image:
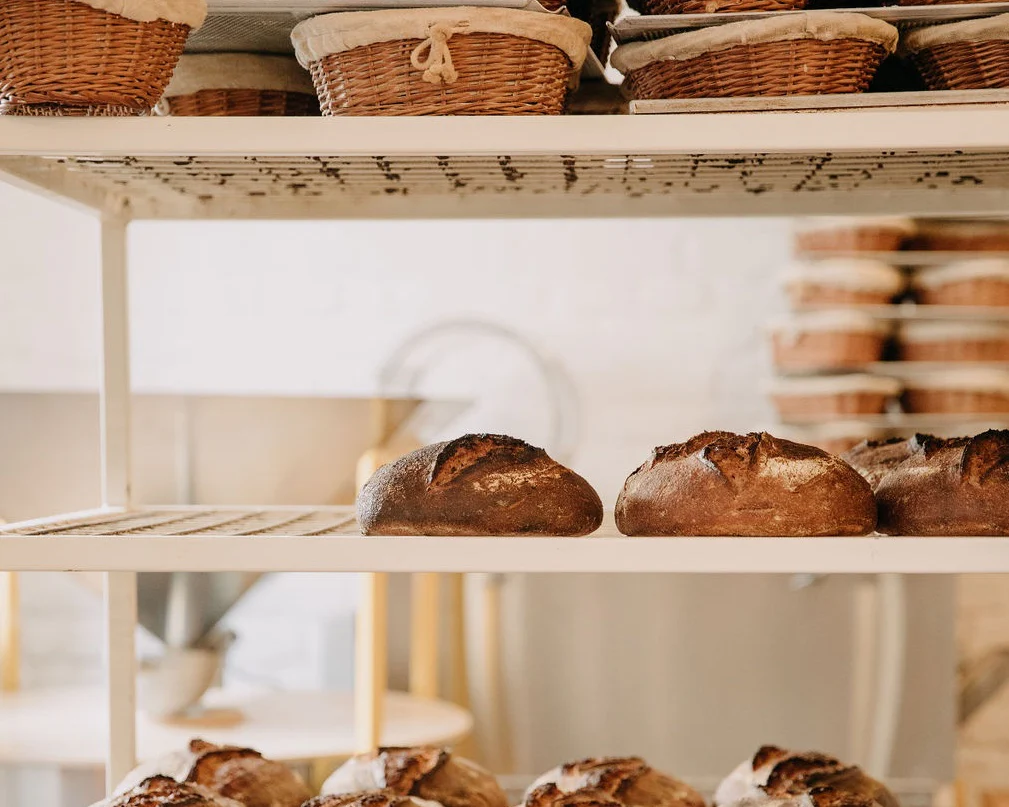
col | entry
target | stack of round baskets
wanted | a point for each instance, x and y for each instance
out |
(442, 61)
(968, 55)
(91, 57)
(239, 84)
(809, 53)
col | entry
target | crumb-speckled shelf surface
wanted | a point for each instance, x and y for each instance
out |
(326, 539)
(914, 160)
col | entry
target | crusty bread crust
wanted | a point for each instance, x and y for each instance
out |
(479, 484)
(719, 483)
(163, 791)
(956, 486)
(874, 459)
(629, 781)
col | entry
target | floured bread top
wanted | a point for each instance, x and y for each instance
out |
(874, 459)
(977, 269)
(181, 12)
(978, 379)
(163, 791)
(939, 331)
(835, 384)
(850, 274)
(840, 320)
(822, 25)
(629, 781)
(818, 224)
(966, 31)
(979, 462)
(550, 795)
(238, 71)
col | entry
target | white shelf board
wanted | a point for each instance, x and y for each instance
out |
(326, 539)
(66, 726)
(924, 161)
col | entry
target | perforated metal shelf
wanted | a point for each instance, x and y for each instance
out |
(852, 161)
(326, 539)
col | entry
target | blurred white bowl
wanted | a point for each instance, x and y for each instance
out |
(175, 682)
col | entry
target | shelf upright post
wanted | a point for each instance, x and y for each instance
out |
(120, 587)
(425, 593)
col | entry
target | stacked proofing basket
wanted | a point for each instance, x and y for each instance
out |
(969, 55)
(442, 61)
(90, 57)
(809, 53)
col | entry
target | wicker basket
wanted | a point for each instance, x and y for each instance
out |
(239, 84)
(812, 53)
(73, 53)
(969, 55)
(451, 61)
(712, 6)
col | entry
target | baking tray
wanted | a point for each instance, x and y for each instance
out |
(633, 28)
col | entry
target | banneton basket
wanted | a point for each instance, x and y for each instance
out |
(442, 61)
(713, 6)
(809, 53)
(90, 57)
(968, 55)
(239, 84)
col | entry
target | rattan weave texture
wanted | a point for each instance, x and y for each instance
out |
(965, 65)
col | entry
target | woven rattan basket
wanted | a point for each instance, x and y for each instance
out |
(969, 55)
(442, 61)
(712, 6)
(812, 53)
(239, 84)
(79, 55)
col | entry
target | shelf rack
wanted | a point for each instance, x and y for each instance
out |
(941, 160)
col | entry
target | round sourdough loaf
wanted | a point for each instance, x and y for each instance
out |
(368, 798)
(956, 486)
(240, 774)
(552, 796)
(429, 774)
(774, 773)
(874, 459)
(479, 484)
(163, 791)
(719, 483)
(629, 781)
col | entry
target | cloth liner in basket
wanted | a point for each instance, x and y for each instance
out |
(652, 7)
(968, 55)
(442, 61)
(91, 56)
(217, 84)
(809, 53)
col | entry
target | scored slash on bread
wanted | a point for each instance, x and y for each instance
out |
(479, 484)
(628, 781)
(163, 791)
(775, 775)
(370, 798)
(423, 773)
(720, 483)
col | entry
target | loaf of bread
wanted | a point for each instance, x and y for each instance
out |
(550, 795)
(719, 483)
(956, 486)
(480, 484)
(874, 459)
(367, 798)
(630, 781)
(432, 774)
(240, 774)
(163, 791)
(778, 774)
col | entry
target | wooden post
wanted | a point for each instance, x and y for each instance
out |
(371, 660)
(120, 667)
(424, 648)
(10, 636)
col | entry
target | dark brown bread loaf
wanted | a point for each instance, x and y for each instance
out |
(778, 774)
(958, 486)
(434, 774)
(719, 483)
(874, 459)
(550, 795)
(163, 791)
(368, 798)
(627, 780)
(240, 774)
(480, 484)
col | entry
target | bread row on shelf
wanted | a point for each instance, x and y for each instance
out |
(206, 775)
(893, 234)
(716, 483)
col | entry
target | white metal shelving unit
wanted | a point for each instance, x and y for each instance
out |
(942, 160)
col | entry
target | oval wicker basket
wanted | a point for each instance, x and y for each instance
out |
(239, 85)
(969, 55)
(442, 61)
(814, 53)
(654, 7)
(70, 53)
